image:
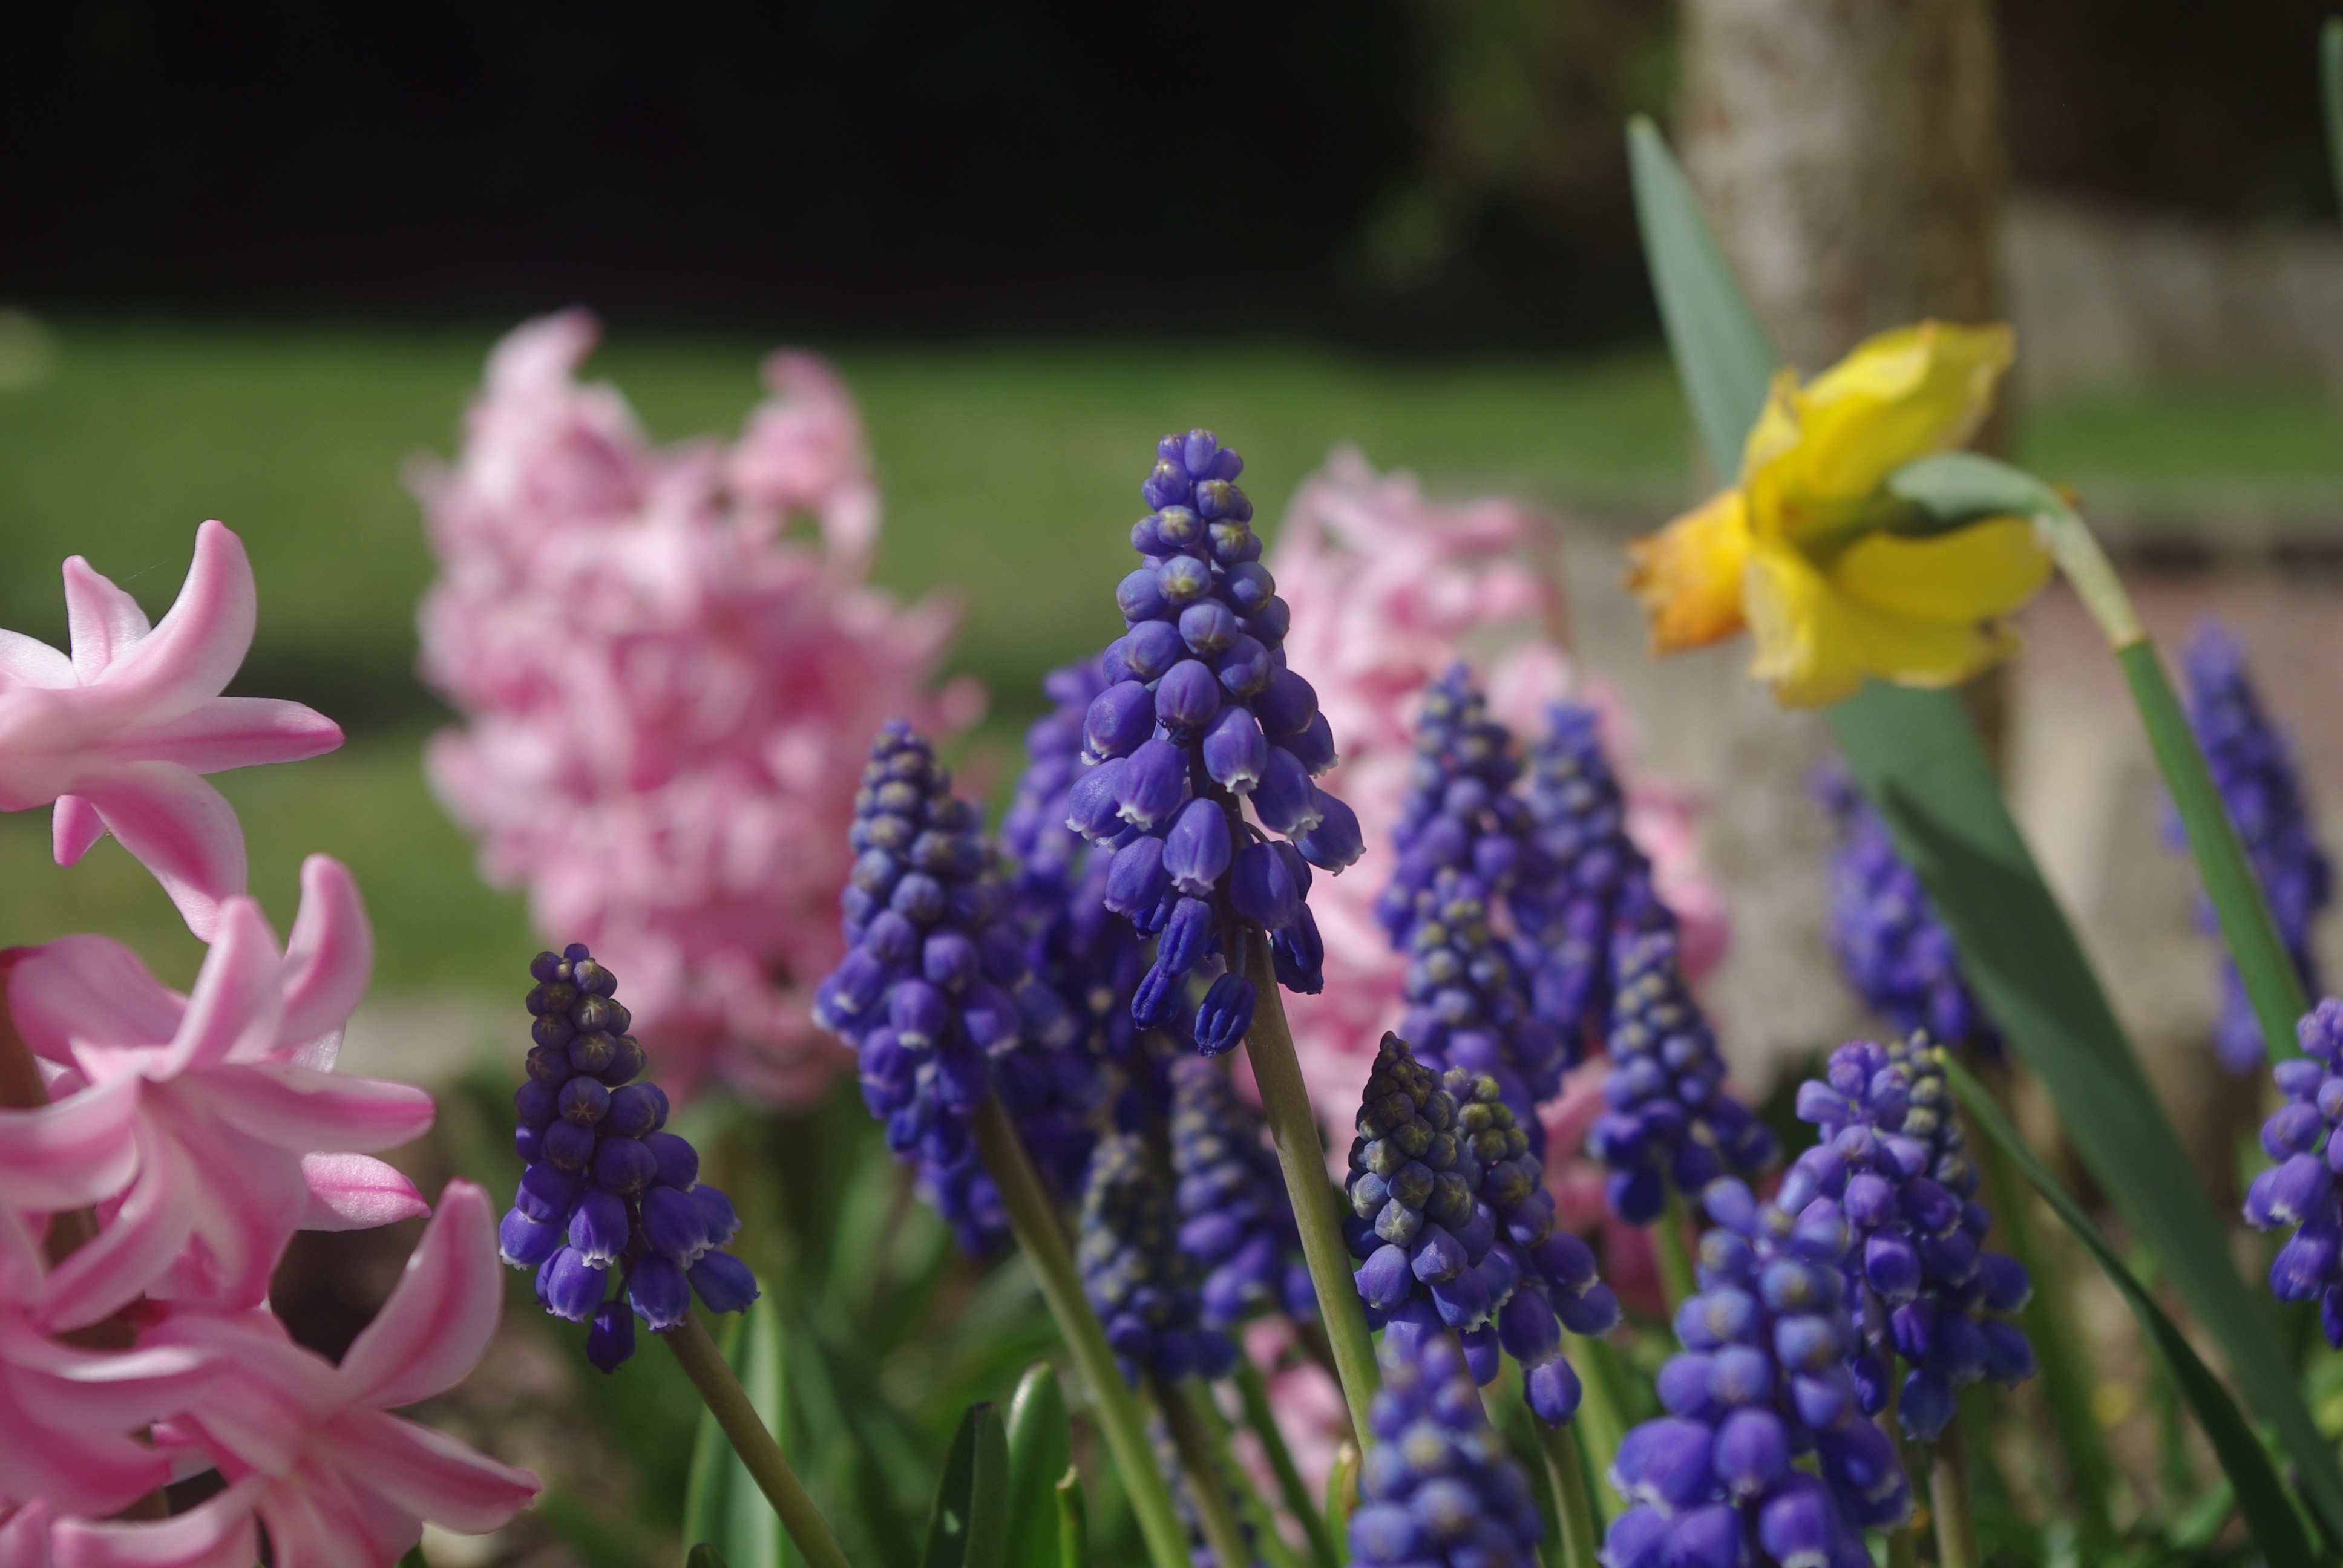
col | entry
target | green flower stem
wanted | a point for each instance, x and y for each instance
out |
(1208, 1481)
(1948, 1500)
(1035, 1224)
(1598, 1423)
(1565, 1472)
(1293, 1127)
(704, 1364)
(1672, 1253)
(2263, 965)
(1254, 1389)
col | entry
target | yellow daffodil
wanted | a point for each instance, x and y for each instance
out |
(1795, 552)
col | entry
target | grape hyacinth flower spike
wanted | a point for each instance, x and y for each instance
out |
(2300, 1189)
(1893, 951)
(1454, 1229)
(1234, 1218)
(1466, 1005)
(1764, 1377)
(2254, 768)
(1203, 721)
(1141, 1285)
(607, 1189)
(1670, 1123)
(1437, 1486)
(1461, 811)
(1893, 1157)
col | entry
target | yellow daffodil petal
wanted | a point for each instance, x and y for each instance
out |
(1898, 395)
(1980, 573)
(1815, 645)
(1688, 575)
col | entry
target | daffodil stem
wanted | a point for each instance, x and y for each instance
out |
(1672, 1254)
(1035, 1224)
(1573, 1508)
(1254, 1389)
(1293, 1128)
(1948, 1500)
(2264, 967)
(705, 1365)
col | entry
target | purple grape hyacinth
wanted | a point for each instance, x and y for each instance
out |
(935, 994)
(1235, 1219)
(1466, 1005)
(1460, 812)
(2254, 768)
(1764, 1377)
(2300, 1189)
(607, 1189)
(1203, 721)
(1454, 1229)
(1669, 1121)
(1140, 1282)
(1892, 1156)
(1436, 1486)
(1893, 951)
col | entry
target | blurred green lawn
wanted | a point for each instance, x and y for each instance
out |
(1010, 473)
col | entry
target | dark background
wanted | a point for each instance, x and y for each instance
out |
(1393, 171)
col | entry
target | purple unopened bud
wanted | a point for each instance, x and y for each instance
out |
(1285, 800)
(655, 1290)
(598, 1227)
(1187, 934)
(610, 1336)
(1337, 840)
(1235, 750)
(2003, 1284)
(1273, 620)
(1152, 786)
(949, 960)
(1182, 580)
(1385, 1279)
(1140, 595)
(1751, 1452)
(675, 1162)
(1157, 997)
(717, 1213)
(2008, 1357)
(1314, 746)
(1225, 1016)
(1196, 852)
(1244, 667)
(1798, 1523)
(723, 1283)
(673, 1224)
(1207, 628)
(1120, 718)
(1179, 527)
(1187, 697)
(546, 1193)
(535, 1105)
(1136, 879)
(919, 1013)
(2304, 1186)
(1552, 1390)
(1249, 588)
(524, 1243)
(570, 1286)
(988, 1016)
(624, 1165)
(1638, 1539)
(1664, 1462)
(1591, 1313)
(1151, 647)
(1286, 705)
(1261, 888)
(1091, 804)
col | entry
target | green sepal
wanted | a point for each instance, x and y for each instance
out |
(2262, 1497)
(1040, 1451)
(968, 1524)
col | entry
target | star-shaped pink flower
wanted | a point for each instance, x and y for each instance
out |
(118, 734)
(307, 1447)
(222, 1101)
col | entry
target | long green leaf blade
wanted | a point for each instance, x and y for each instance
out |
(704, 1487)
(721, 1503)
(967, 1527)
(2261, 1495)
(1041, 1448)
(1722, 351)
(704, 1556)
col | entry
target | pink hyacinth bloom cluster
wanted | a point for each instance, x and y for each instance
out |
(1390, 588)
(159, 1150)
(667, 687)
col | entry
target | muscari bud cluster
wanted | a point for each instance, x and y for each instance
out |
(1453, 1228)
(1893, 951)
(2300, 1189)
(1437, 1486)
(1140, 1282)
(934, 993)
(1460, 812)
(606, 1187)
(1890, 1154)
(1204, 719)
(1465, 1006)
(1235, 1219)
(1669, 1121)
(2254, 768)
(1570, 920)
(1764, 1377)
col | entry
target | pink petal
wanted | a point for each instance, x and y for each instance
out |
(134, 1249)
(216, 1533)
(265, 1414)
(196, 648)
(307, 1112)
(329, 956)
(238, 1000)
(71, 1153)
(252, 1202)
(427, 1474)
(24, 1536)
(437, 1322)
(179, 828)
(87, 991)
(103, 620)
(356, 1192)
(27, 661)
(223, 732)
(65, 1417)
(73, 826)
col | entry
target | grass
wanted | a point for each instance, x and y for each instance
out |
(1009, 472)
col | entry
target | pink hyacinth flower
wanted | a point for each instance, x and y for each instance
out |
(66, 1416)
(118, 734)
(215, 1098)
(307, 1448)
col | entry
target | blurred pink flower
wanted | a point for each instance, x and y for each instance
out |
(668, 694)
(1388, 588)
(118, 734)
(306, 1446)
(209, 1102)
(67, 1416)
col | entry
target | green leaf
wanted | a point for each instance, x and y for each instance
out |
(1722, 354)
(721, 1503)
(1949, 490)
(1040, 1450)
(2261, 1495)
(2330, 94)
(704, 1555)
(1073, 1522)
(968, 1526)
(1917, 757)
